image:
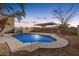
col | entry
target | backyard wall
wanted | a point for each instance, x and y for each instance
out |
(78, 31)
(9, 27)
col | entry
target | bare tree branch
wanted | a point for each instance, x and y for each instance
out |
(64, 15)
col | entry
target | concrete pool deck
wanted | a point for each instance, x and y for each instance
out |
(16, 45)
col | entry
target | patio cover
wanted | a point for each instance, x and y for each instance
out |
(46, 24)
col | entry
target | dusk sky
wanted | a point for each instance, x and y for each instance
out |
(42, 12)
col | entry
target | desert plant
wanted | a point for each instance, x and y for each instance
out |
(64, 16)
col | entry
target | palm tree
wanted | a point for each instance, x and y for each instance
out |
(11, 12)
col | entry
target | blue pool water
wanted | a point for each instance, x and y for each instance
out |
(29, 38)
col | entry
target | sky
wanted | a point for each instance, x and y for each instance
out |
(42, 12)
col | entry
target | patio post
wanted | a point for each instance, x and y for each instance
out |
(34, 25)
(78, 31)
(51, 29)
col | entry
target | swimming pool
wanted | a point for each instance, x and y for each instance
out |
(29, 38)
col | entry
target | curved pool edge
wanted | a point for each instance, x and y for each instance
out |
(16, 45)
(59, 43)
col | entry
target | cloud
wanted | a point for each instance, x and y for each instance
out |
(45, 17)
(24, 22)
(42, 18)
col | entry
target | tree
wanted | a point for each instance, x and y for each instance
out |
(64, 16)
(11, 13)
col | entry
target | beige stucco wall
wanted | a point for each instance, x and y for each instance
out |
(9, 27)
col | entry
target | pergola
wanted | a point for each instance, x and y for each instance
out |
(46, 24)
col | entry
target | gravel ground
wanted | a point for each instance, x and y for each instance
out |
(4, 50)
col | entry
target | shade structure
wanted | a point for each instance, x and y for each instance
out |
(46, 24)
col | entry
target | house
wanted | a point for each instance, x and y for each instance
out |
(10, 20)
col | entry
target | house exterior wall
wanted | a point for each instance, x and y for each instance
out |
(9, 27)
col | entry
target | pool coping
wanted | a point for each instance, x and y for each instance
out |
(16, 45)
